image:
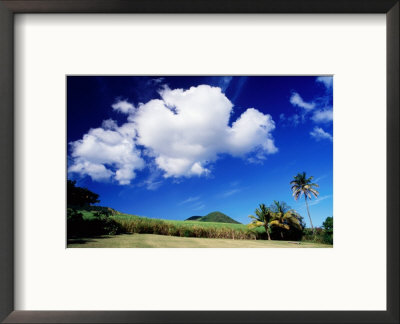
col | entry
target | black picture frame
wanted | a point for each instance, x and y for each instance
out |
(8, 8)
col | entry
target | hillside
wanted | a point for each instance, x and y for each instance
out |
(194, 218)
(216, 217)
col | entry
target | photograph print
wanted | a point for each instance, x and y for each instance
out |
(199, 161)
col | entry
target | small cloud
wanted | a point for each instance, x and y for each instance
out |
(326, 80)
(154, 179)
(157, 80)
(239, 86)
(190, 199)
(294, 120)
(320, 178)
(314, 202)
(123, 106)
(152, 185)
(322, 116)
(198, 206)
(297, 100)
(318, 200)
(256, 159)
(319, 134)
(291, 121)
(229, 193)
(225, 82)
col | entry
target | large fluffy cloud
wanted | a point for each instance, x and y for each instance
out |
(182, 133)
(185, 130)
(107, 152)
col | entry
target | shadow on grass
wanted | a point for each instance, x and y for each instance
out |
(84, 240)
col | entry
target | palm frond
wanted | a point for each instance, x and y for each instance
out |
(314, 192)
(255, 224)
(253, 217)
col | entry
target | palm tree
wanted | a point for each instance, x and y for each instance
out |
(301, 185)
(263, 218)
(284, 217)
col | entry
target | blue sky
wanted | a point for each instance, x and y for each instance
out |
(174, 147)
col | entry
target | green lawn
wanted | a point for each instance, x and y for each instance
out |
(163, 241)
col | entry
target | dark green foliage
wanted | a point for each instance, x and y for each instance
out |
(77, 196)
(286, 223)
(77, 225)
(217, 217)
(322, 235)
(104, 210)
(292, 234)
(101, 224)
(73, 215)
(328, 230)
(193, 218)
(328, 225)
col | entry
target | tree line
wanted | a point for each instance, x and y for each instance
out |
(282, 219)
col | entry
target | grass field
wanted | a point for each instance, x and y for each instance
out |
(143, 225)
(128, 217)
(138, 231)
(163, 241)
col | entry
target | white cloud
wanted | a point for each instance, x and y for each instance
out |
(294, 119)
(123, 106)
(229, 193)
(188, 129)
(225, 82)
(297, 100)
(107, 153)
(318, 133)
(156, 80)
(326, 80)
(188, 200)
(96, 171)
(182, 134)
(322, 116)
(251, 129)
(314, 201)
(318, 200)
(198, 206)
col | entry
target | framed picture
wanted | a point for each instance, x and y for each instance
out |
(204, 144)
(136, 134)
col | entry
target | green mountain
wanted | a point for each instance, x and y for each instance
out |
(216, 217)
(194, 218)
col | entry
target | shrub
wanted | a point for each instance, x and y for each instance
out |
(328, 230)
(101, 224)
(78, 196)
(321, 236)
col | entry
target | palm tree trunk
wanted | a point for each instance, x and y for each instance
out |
(269, 236)
(308, 212)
